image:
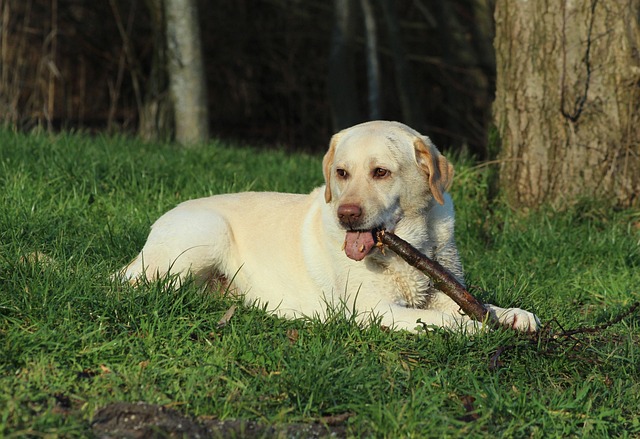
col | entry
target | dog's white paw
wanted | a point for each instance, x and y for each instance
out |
(516, 318)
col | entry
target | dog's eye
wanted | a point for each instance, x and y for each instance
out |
(342, 173)
(381, 173)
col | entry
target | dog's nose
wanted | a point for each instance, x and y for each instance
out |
(349, 214)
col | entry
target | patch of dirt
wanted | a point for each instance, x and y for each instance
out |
(141, 420)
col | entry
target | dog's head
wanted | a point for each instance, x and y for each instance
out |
(378, 172)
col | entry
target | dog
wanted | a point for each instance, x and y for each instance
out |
(300, 255)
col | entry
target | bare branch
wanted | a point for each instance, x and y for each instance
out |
(442, 279)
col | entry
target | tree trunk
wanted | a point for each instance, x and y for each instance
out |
(342, 86)
(156, 114)
(567, 102)
(373, 65)
(186, 71)
(412, 113)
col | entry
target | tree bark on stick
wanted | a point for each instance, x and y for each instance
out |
(442, 280)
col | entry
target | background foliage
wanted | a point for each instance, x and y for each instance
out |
(96, 65)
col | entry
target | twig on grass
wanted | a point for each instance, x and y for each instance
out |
(599, 328)
(551, 340)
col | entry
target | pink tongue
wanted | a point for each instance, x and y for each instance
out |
(358, 244)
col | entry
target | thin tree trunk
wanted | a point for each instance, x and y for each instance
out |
(155, 114)
(342, 86)
(457, 54)
(373, 65)
(567, 102)
(405, 84)
(186, 71)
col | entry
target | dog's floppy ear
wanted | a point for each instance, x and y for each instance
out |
(327, 163)
(437, 168)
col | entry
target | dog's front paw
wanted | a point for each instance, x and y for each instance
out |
(516, 318)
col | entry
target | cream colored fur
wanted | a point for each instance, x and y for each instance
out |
(286, 250)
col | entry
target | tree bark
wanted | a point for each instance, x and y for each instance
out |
(186, 72)
(156, 115)
(412, 113)
(342, 85)
(567, 104)
(373, 64)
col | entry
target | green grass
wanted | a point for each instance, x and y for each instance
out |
(71, 341)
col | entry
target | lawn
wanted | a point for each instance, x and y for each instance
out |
(75, 208)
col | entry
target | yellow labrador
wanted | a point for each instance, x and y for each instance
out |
(298, 253)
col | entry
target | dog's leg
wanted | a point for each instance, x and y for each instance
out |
(183, 242)
(407, 318)
(399, 317)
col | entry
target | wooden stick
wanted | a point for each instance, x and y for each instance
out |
(441, 278)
